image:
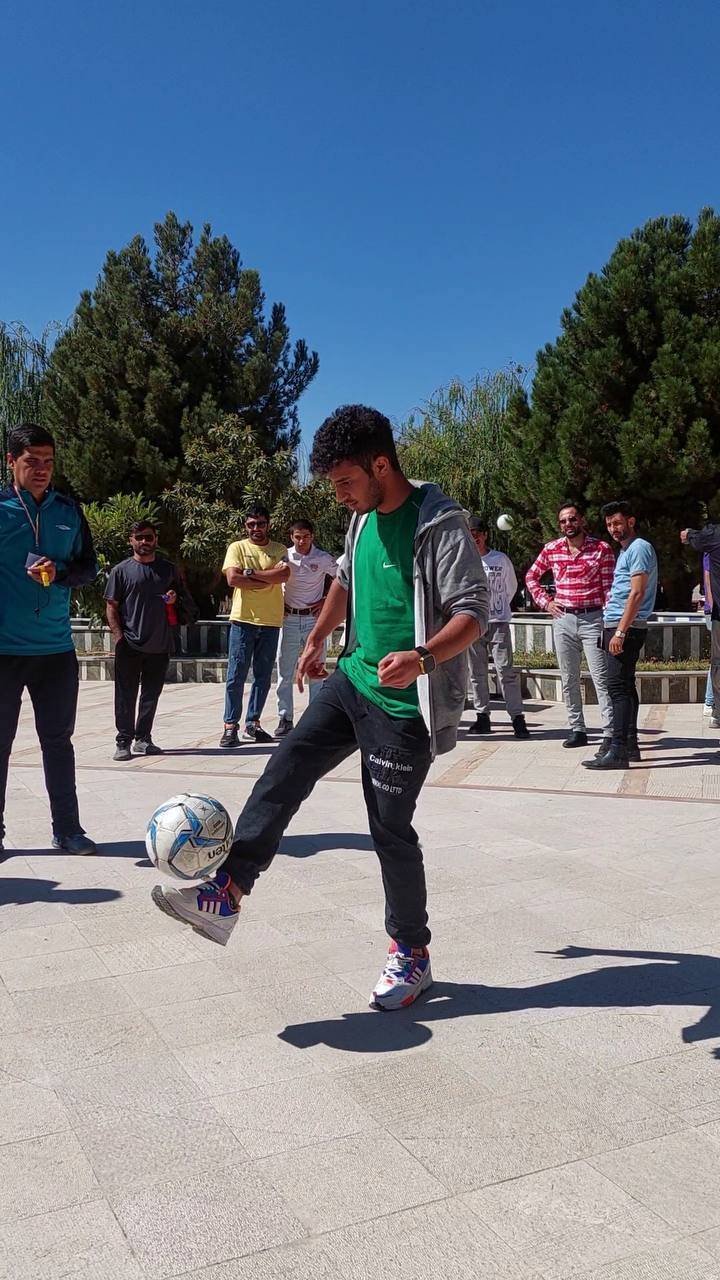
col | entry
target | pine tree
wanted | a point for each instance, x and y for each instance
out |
(161, 350)
(626, 402)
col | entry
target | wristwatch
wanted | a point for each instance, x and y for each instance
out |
(248, 573)
(620, 634)
(427, 662)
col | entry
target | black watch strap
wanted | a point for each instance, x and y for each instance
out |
(427, 662)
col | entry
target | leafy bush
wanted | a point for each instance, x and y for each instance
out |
(535, 661)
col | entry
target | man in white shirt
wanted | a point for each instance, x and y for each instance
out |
(304, 596)
(496, 641)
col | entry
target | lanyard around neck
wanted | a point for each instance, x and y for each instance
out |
(34, 524)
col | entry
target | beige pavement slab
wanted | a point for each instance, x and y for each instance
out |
(551, 1109)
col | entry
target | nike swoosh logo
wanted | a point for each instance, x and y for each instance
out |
(389, 566)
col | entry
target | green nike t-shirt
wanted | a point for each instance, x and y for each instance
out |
(383, 603)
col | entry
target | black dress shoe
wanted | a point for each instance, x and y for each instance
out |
(520, 728)
(633, 750)
(613, 759)
(577, 738)
(603, 749)
(482, 723)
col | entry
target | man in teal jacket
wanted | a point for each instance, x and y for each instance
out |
(45, 550)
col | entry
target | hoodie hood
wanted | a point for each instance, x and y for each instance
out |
(435, 506)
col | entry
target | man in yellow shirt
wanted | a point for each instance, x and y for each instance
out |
(255, 568)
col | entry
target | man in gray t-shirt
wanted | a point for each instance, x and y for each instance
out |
(141, 595)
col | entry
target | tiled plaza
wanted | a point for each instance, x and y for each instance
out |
(551, 1109)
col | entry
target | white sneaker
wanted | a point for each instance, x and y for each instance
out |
(406, 975)
(209, 908)
(714, 722)
(707, 711)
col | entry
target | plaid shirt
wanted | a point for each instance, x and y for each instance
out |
(582, 580)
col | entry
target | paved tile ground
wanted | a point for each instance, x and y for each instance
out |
(552, 1110)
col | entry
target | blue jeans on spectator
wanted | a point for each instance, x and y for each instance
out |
(249, 644)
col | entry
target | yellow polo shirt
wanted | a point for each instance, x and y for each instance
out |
(264, 607)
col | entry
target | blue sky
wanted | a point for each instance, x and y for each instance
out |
(425, 185)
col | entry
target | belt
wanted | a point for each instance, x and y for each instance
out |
(591, 608)
(303, 613)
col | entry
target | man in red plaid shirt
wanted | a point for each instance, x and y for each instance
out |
(582, 568)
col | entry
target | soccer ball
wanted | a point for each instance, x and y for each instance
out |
(504, 523)
(189, 837)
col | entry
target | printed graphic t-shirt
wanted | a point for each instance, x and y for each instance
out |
(264, 607)
(383, 603)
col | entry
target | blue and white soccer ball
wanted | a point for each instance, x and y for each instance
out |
(189, 837)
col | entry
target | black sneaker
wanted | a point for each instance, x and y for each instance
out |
(256, 733)
(577, 738)
(520, 728)
(122, 751)
(79, 844)
(146, 747)
(230, 737)
(284, 727)
(482, 724)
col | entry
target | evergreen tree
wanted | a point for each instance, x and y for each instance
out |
(23, 360)
(230, 470)
(162, 349)
(626, 402)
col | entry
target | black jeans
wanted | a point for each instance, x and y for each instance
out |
(137, 671)
(621, 683)
(52, 682)
(395, 760)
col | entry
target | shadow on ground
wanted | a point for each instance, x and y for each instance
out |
(306, 846)
(106, 849)
(669, 978)
(19, 891)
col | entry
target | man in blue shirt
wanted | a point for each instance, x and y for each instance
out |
(45, 550)
(629, 605)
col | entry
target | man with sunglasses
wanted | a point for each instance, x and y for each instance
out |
(45, 550)
(255, 568)
(140, 595)
(582, 568)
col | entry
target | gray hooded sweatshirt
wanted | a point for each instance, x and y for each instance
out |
(449, 578)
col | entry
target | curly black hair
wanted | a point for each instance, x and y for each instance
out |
(353, 433)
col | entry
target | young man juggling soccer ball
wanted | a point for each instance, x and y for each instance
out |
(412, 591)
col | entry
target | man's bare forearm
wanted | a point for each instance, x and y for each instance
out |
(458, 634)
(112, 613)
(278, 573)
(332, 614)
(632, 608)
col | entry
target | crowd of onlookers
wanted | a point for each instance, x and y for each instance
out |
(599, 604)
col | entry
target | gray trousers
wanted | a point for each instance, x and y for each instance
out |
(573, 633)
(495, 644)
